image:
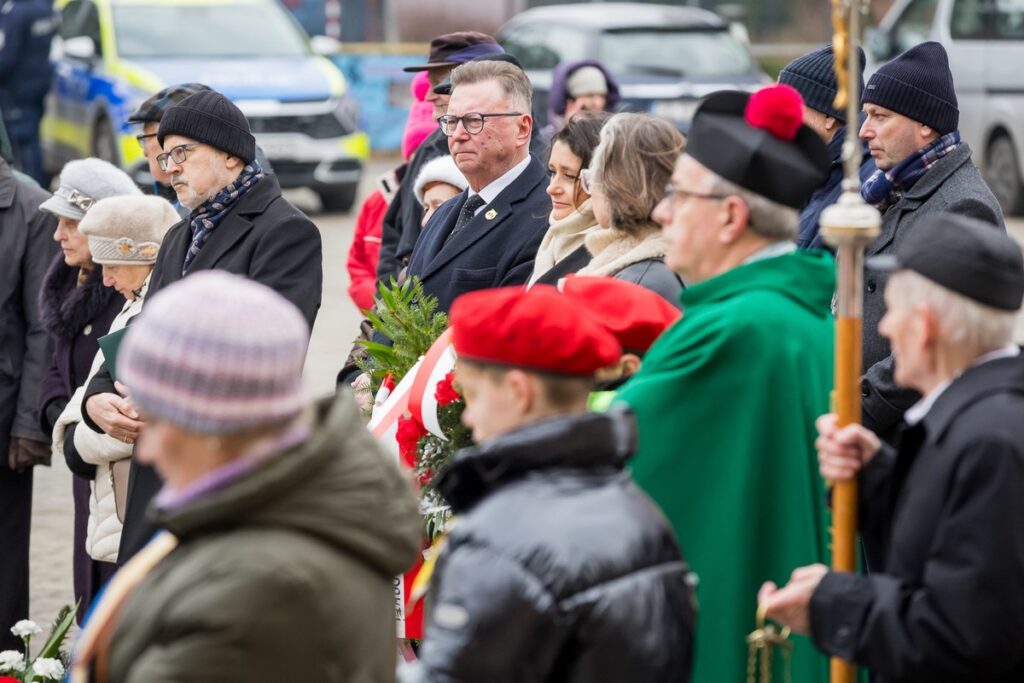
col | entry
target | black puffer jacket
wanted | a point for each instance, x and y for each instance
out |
(559, 568)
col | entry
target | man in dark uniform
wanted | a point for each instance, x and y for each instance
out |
(940, 517)
(26, 29)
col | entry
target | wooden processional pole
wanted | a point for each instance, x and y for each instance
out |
(848, 226)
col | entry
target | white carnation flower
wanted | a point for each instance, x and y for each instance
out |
(50, 669)
(26, 629)
(11, 660)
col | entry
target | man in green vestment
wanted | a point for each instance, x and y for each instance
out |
(727, 397)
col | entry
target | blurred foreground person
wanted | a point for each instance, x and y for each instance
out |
(558, 568)
(944, 600)
(285, 522)
(727, 397)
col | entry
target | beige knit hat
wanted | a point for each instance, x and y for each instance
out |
(127, 231)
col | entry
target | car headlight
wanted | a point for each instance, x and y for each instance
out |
(675, 110)
(347, 112)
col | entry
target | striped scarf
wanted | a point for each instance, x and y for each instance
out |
(883, 189)
(206, 217)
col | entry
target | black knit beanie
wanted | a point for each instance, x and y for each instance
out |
(213, 119)
(919, 85)
(814, 77)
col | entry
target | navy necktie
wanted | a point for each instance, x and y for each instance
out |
(466, 215)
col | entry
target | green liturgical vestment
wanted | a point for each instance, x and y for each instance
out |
(726, 402)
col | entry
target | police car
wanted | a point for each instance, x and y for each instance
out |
(113, 54)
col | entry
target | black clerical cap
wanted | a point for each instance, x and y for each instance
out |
(965, 255)
(760, 143)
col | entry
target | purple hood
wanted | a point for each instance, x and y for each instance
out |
(557, 95)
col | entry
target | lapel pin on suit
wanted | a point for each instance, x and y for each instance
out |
(490, 215)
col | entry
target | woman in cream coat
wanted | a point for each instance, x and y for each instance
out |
(124, 237)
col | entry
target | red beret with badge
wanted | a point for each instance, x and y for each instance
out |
(533, 329)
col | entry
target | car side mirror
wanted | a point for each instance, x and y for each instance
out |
(325, 46)
(80, 47)
(879, 44)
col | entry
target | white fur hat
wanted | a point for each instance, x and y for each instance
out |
(127, 230)
(83, 182)
(439, 170)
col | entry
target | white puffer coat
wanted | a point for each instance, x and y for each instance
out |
(104, 531)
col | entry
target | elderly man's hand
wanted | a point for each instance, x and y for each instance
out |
(115, 415)
(791, 604)
(842, 452)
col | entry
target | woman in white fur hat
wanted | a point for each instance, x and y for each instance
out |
(124, 236)
(438, 181)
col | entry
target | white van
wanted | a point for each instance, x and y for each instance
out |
(985, 42)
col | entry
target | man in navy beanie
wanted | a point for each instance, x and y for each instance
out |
(239, 223)
(924, 168)
(813, 76)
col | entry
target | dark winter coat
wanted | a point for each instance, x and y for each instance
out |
(76, 317)
(487, 252)
(558, 95)
(26, 250)
(953, 184)
(403, 221)
(808, 236)
(28, 28)
(264, 238)
(945, 597)
(284, 574)
(558, 567)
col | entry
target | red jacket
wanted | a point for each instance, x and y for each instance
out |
(365, 250)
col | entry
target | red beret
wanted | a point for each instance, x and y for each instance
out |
(536, 328)
(635, 315)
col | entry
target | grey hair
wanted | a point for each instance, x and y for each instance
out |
(963, 323)
(512, 79)
(768, 219)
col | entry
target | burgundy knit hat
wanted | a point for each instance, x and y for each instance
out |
(216, 353)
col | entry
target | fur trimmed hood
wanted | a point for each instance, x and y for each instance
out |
(64, 307)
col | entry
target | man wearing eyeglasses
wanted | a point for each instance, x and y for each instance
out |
(148, 115)
(488, 235)
(727, 397)
(239, 223)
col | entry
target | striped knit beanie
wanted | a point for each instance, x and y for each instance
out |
(216, 353)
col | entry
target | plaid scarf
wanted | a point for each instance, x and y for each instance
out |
(206, 217)
(883, 189)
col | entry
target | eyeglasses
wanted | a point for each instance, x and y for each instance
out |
(75, 198)
(177, 154)
(587, 180)
(473, 122)
(671, 193)
(142, 137)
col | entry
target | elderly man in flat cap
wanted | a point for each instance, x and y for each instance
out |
(944, 600)
(726, 398)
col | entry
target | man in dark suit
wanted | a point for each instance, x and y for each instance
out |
(944, 600)
(487, 236)
(239, 223)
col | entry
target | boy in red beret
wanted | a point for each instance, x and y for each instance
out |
(558, 567)
(635, 315)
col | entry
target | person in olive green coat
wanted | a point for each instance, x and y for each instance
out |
(284, 524)
(727, 397)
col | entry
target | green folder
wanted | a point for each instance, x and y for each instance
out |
(109, 345)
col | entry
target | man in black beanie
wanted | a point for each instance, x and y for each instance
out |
(239, 223)
(813, 76)
(923, 168)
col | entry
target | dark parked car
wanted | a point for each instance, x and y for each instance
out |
(665, 58)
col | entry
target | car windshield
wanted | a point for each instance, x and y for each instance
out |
(673, 53)
(194, 30)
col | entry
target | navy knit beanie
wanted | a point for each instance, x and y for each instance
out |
(210, 118)
(919, 85)
(814, 77)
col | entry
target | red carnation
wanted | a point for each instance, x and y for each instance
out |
(445, 392)
(408, 435)
(9, 679)
(778, 109)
